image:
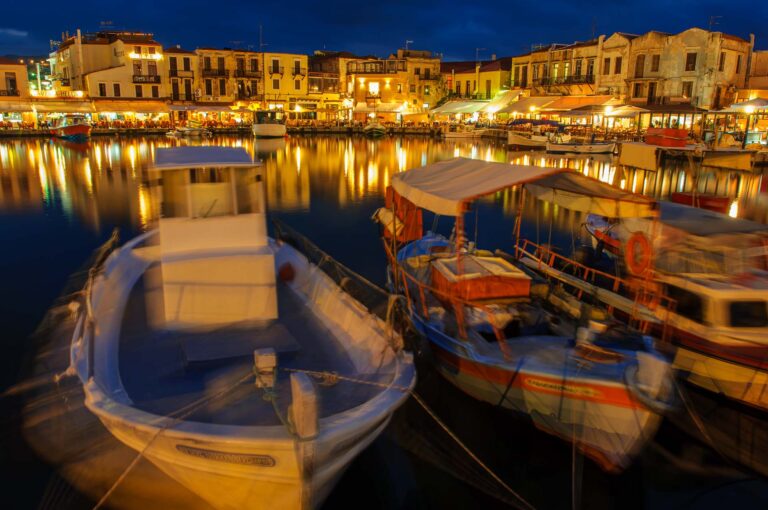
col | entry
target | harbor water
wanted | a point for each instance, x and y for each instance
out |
(59, 201)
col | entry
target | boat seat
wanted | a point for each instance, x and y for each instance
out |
(223, 344)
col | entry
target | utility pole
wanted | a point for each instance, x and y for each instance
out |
(407, 42)
(477, 71)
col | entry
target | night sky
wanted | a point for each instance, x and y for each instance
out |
(453, 28)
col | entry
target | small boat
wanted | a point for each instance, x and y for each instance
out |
(534, 139)
(268, 124)
(188, 132)
(72, 127)
(527, 140)
(226, 358)
(581, 148)
(489, 331)
(461, 131)
(374, 129)
(716, 203)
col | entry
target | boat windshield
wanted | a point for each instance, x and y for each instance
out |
(269, 117)
(748, 314)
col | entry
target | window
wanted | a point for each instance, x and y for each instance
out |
(655, 59)
(297, 84)
(155, 91)
(208, 87)
(721, 64)
(637, 90)
(639, 66)
(426, 73)
(535, 72)
(555, 69)
(690, 62)
(400, 87)
(591, 67)
(222, 87)
(577, 68)
(253, 88)
(417, 71)
(738, 64)
(220, 63)
(102, 89)
(116, 89)
(467, 90)
(187, 65)
(172, 63)
(606, 65)
(687, 88)
(617, 67)
(137, 67)
(373, 88)
(275, 65)
(137, 49)
(254, 64)
(240, 63)
(413, 89)
(152, 68)
(206, 62)
(689, 304)
(297, 67)
(748, 314)
(566, 69)
(151, 50)
(139, 92)
(276, 83)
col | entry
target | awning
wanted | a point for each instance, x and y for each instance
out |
(701, 222)
(751, 106)
(214, 108)
(587, 104)
(12, 106)
(444, 186)
(63, 107)
(453, 107)
(524, 105)
(131, 106)
(625, 111)
(501, 100)
(363, 107)
(578, 192)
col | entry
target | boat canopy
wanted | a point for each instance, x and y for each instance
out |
(445, 186)
(578, 192)
(701, 222)
(201, 157)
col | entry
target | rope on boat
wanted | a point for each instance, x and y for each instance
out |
(171, 419)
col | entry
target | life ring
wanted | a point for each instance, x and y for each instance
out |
(637, 254)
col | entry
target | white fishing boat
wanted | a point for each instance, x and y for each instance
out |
(374, 129)
(560, 147)
(527, 140)
(268, 124)
(197, 345)
(461, 131)
(534, 139)
(191, 130)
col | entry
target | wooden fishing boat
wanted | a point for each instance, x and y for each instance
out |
(374, 129)
(490, 333)
(268, 124)
(198, 343)
(461, 131)
(581, 148)
(72, 127)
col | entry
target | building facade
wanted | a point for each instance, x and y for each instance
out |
(13, 79)
(477, 80)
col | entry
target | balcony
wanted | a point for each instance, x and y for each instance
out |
(299, 71)
(146, 78)
(247, 73)
(276, 70)
(181, 73)
(181, 96)
(215, 73)
(564, 80)
(378, 67)
(431, 77)
(11, 92)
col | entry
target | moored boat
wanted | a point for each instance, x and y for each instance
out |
(461, 131)
(374, 129)
(492, 335)
(268, 124)
(581, 148)
(198, 343)
(72, 127)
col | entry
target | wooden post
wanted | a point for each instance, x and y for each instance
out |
(303, 411)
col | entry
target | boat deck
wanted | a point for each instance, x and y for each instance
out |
(164, 371)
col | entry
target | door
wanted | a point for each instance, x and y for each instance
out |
(652, 92)
(188, 90)
(175, 90)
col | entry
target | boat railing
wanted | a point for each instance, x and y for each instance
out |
(415, 288)
(643, 292)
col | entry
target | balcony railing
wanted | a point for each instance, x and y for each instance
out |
(299, 71)
(379, 67)
(11, 92)
(247, 73)
(431, 77)
(181, 96)
(276, 69)
(564, 80)
(146, 78)
(209, 72)
(181, 73)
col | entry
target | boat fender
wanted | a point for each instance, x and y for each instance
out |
(638, 253)
(286, 273)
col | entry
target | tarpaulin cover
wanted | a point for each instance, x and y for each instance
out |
(638, 155)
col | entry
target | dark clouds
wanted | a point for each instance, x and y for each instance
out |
(454, 28)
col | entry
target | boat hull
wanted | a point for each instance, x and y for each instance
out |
(578, 148)
(603, 418)
(268, 130)
(517, 140)
(76, 133)
(714, 203)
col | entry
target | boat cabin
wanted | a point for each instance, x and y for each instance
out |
(216, 263)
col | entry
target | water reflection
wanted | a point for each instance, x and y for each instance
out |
(104, 181)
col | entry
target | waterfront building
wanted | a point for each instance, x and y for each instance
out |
(327, 83)
(14, 92)
(399, 88)
(182, 72)
(477, 80)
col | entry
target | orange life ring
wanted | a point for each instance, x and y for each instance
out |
(637, 254)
